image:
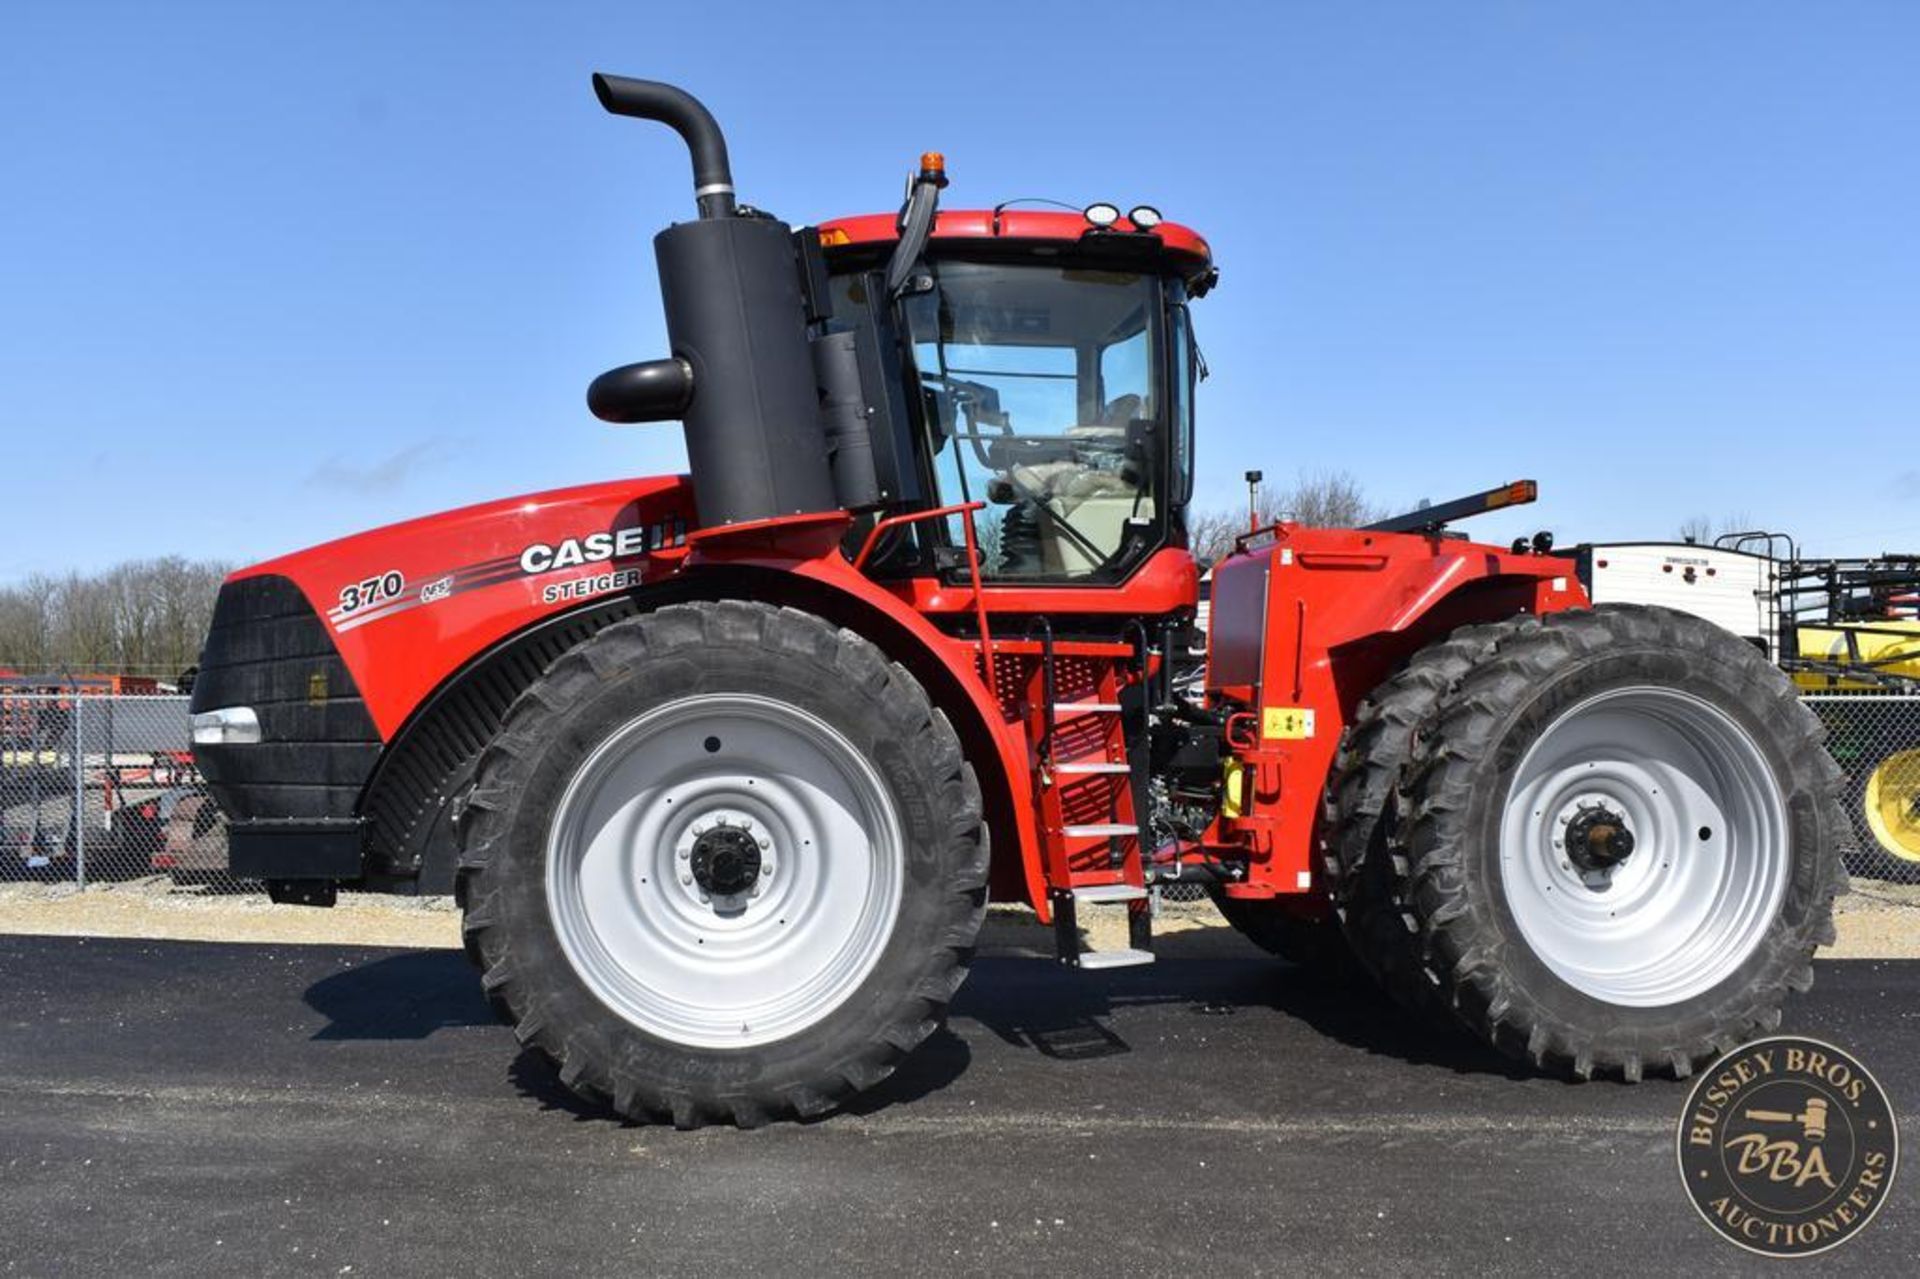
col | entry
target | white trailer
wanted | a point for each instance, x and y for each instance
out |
(1735, 590)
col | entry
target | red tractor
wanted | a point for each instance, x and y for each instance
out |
(724, 767)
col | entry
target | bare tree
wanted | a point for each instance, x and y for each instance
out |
(1326, 499)
(144, 617)
(26, 623)
(1211, 532)
(185, 590)
(1322, 499)
(1702, 529)
(84, 625)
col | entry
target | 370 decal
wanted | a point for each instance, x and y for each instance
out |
(608, 556)
(369, 591)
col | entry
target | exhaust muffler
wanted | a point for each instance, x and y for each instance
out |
(741, 377)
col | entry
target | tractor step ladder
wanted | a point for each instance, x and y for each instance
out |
(1083, 774)
(1066, 926)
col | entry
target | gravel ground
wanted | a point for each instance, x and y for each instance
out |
(154, 909)
(1876, 921)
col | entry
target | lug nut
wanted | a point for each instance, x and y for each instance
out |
(765, 842)
(686, 879)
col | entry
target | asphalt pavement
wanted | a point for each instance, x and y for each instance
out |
(179, 1107)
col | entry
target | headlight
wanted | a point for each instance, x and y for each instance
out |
(229, 726)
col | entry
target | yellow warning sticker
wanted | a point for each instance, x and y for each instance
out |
(1287, 723)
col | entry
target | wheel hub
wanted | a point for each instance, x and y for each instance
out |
(725, 861)
(1644, 845)
(1598, 838)
(725, 870)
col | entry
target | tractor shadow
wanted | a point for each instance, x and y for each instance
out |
(1018, 995)
(403, 996)
(413, 995)
(1029, 1001)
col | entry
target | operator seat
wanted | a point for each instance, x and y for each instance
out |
(1094, 487)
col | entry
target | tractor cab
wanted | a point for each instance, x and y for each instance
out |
(1047, 364)
(1008, 392)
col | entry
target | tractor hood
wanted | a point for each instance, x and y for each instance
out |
(425, 594)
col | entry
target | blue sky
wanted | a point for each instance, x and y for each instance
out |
(272, 273)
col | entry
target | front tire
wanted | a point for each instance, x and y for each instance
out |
(723, 861)
(1623, 844)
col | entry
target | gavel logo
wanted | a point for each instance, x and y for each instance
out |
(1785, 1160)
(1812, 1120)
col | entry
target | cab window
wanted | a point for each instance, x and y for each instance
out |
(1042, 398)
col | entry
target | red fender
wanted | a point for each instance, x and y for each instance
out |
(807, 548)
(1309, 622)
(409, 605)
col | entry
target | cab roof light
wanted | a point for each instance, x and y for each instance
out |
(1144, 217)
(1103, 214)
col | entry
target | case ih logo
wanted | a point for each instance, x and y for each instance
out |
(1788, 1148)
(592, 549)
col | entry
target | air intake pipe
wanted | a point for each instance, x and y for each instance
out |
(741, 377)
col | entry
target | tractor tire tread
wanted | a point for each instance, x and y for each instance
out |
(589, 1062)
(1363, 855)
(1460, 950)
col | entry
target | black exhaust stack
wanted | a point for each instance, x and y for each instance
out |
(742, 374)
(686, 116)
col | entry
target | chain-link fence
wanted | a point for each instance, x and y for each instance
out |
(103, 788)
(1875, 737)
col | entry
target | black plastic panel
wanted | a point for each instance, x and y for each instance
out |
(294, 850)
(268, 649)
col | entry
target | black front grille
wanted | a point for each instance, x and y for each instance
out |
(268, 649)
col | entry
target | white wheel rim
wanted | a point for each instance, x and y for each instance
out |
(713, 970)
(1710, 860)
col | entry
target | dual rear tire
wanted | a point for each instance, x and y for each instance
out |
(1605, 842)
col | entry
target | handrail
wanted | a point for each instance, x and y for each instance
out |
(910, 517)
(1048, 693)
(965, 511)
